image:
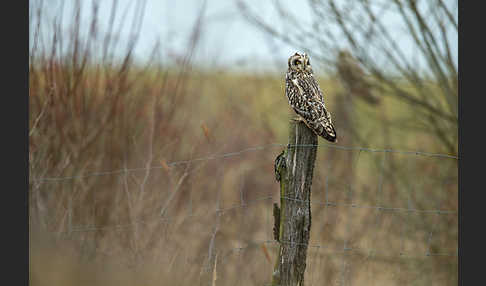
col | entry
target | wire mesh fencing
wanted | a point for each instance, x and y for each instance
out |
(379, 217)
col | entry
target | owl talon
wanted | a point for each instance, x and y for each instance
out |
(298, 119)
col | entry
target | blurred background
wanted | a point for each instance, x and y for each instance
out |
(154, 126)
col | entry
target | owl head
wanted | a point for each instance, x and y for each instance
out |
(300, 62)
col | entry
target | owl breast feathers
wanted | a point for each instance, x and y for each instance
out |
(305, 97)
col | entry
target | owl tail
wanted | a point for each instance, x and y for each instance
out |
(326, 131)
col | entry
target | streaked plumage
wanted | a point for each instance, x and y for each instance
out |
(305, 97)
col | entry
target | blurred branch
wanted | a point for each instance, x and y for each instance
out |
(362, 27)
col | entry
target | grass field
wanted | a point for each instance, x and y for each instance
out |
(156, 225)
(163, 175)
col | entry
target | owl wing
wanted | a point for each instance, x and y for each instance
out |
(315, 88)
(306, 99)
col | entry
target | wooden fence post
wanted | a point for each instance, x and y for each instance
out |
(294, 169)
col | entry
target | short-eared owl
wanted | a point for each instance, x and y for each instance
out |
(306, 98)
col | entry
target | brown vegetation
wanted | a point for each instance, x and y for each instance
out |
(127, 184)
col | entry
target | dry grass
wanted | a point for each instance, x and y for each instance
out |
(161, 226)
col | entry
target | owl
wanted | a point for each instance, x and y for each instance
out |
(305, 97)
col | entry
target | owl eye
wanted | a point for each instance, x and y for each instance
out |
(297, 62)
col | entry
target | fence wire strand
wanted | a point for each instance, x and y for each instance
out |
(345, 250)
(240, 152)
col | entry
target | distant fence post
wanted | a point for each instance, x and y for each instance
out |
(294, 169)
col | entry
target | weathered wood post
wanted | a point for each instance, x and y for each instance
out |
(294, 169)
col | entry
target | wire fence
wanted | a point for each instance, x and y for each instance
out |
(240, 152)
(347, 208)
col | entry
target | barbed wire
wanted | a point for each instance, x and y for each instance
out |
(237, 153)
(226, 254)
(246, 204)
(330, 250)
(163, 219)
(347, 248)
(380, 208)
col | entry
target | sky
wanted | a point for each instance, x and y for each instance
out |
(227, 40)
